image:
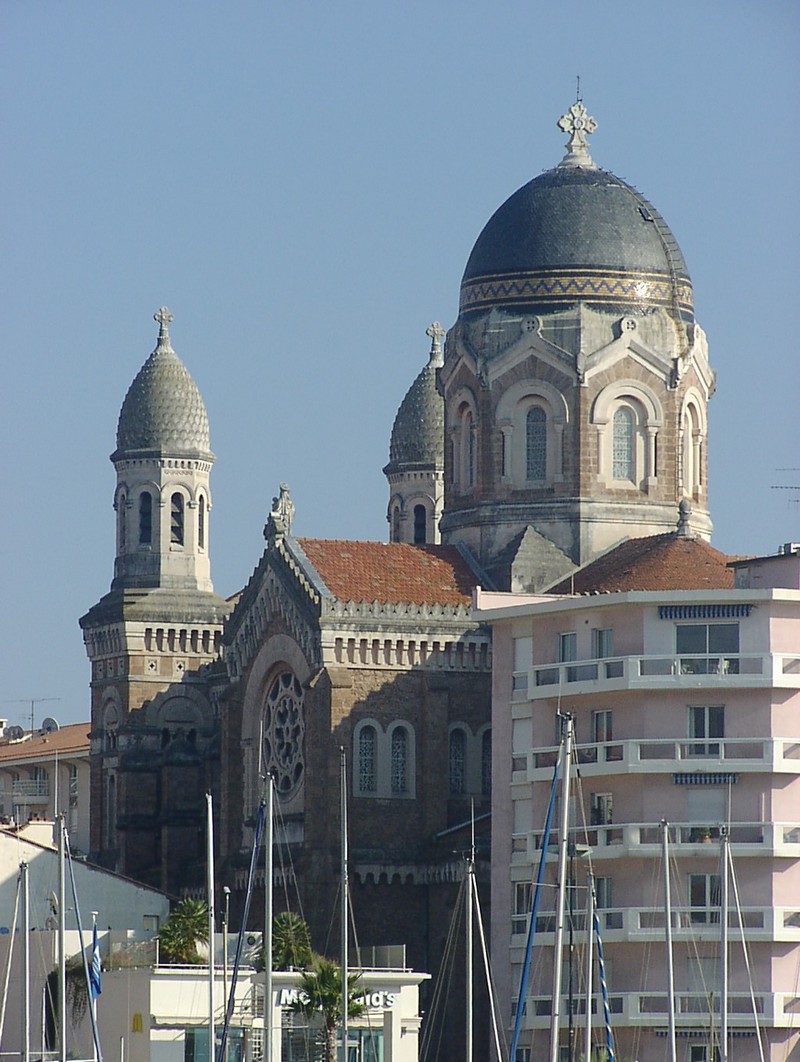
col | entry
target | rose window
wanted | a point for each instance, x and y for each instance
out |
(283, 733)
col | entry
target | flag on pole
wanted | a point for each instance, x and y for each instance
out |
(95, 968)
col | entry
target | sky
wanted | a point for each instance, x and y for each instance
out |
(301, 184)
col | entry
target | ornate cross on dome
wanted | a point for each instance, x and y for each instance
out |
(163, 317)
(579, 124)
(437, 334)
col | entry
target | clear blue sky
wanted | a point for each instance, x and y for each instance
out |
(301, 184)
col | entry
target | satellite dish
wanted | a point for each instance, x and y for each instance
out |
(49, 725)
(15, 733)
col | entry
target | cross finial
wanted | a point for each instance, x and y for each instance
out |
(437, 334)
(163, 317)
(579, 124)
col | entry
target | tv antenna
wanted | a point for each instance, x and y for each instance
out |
(33, 701)
(788, 486)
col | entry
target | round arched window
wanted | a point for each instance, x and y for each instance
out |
(283, 733)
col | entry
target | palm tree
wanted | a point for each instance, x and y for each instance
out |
(320, 992)
(183, 930)
(291, 942)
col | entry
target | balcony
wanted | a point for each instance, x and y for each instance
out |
(30, 791)
(638, 840)
(648, 924)
(729, 671)
(742, 755)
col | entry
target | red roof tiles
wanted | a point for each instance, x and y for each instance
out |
(393, 572)
(659, 562)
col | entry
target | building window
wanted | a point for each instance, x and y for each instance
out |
(602, 726)
(704, 898)
(708, 648)
(399, 755)
(111, 811)
(420, 525)
(201, 522)
(602, 813)
(145, 518)
(367, 760)
(469, 442)
(706, 723)
(176, 520)
(602, 893)
(284, 729)
(623, 452)
(457, 761)
(536, 444)
(396, 524)
(602, 643)
(486, 763)
(121, 522)
(567, 647)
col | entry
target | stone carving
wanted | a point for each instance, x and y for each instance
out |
(437, 334)
(283, 510)
(579, 124)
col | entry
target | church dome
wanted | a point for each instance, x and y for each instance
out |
(163, 410)
(577, 233)
(418, 430)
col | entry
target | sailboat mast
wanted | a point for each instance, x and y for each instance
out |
(589, 957)
(469, 947)
(725, 871)
(345, 901)
(62, 946)
(673, 1048)
(211, 926)
(26, 961)
(563, 840)
(268, 920)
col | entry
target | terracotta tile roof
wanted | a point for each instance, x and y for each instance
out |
(391, 572)
(659, 562)
(73, 738)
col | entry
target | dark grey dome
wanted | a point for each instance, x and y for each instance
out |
(577, 233)
(163, 410)
(418, 431)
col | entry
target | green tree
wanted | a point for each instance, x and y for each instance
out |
(320, 992)
(291, 942)
(186, 926)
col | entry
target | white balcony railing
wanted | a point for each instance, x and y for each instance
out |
(652, 756)
(643, 840)
(657, 672)
(30, 789)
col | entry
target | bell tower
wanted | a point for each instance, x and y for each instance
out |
(159, 626)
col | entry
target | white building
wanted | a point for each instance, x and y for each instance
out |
(683, 682)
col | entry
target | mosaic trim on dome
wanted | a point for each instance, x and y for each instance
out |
(598, 286)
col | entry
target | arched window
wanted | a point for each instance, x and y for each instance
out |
(486, 763)
(536, 444)
(367, 760)
(469, 427)
(145, 518)
(399, 765)
(201, 522)
(396, 524)
(121, 513)
(623, 455)
(420, 525)
(111, 811)
(457, 761)
(176, 519)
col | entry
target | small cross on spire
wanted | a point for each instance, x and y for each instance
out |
(163, 317)
(437, 334)
(579, 124)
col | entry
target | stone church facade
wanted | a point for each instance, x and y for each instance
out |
(564, 412)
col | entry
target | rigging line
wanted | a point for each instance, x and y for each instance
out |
(292, 875)
(10, 954)
(745, 949)
(79, 922)
(489, 979)
(445, 974)
(373, 1045)
(336, 898)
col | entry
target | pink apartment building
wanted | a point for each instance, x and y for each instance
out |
(681, 671)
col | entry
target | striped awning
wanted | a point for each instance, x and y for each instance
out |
(705, 778)
(684, 612)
